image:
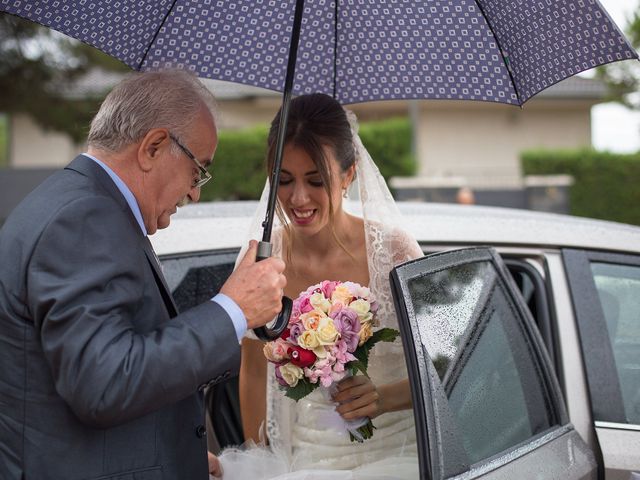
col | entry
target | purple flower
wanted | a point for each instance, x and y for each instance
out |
(348, 325)
(294, 332)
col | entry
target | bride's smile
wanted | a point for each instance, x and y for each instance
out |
(302, 217)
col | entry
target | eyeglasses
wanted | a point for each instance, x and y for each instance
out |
(203, 175)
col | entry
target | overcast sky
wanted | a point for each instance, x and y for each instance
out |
(614, 127)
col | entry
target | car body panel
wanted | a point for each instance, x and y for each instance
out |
(430, 223)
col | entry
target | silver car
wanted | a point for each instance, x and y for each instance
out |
(521, 331)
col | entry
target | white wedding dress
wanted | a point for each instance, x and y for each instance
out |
(302, 446)
(302, 443)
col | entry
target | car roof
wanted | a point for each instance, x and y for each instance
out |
(217, 225)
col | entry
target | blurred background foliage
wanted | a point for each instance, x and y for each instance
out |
(239, 170)
(623, 79)
(36, 66)
(606, 185)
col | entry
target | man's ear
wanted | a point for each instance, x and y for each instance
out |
(151, 146)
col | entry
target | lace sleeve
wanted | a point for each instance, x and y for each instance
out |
(403, 247)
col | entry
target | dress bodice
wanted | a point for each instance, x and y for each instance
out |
(300, 428)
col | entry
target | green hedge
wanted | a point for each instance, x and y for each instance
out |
(606, 185)
(238, 168)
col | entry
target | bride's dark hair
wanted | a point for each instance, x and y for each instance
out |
(316, 121)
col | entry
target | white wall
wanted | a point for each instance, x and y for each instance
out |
(31, 146)
(481, 142)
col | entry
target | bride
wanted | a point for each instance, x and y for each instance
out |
(322, 237)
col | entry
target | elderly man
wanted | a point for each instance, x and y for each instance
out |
(101, 377)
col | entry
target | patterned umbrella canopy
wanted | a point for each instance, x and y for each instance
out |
(356, 50)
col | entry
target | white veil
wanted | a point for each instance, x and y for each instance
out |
(368, 197)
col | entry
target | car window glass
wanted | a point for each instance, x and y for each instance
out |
(197, 277)
(619, 293)
(480, 350)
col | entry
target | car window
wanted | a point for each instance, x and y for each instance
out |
(618, 288)
(605, 293)
(196, 277)
(482, 381)
(491, 380)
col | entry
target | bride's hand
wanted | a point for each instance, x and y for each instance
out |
(215, 468)
(358, 397)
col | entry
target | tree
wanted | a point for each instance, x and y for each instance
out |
(36, 67)
(623, 78)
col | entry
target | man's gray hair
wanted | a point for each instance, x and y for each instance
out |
(163, 99)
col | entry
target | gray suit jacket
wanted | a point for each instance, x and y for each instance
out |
(99, 375)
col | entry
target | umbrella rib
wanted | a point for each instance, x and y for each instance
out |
(335, 47)
(505, 59)
(164, 20)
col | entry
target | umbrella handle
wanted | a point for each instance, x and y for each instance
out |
(267, 334)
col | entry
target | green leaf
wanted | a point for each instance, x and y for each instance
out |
(303, 388)
(356, 365)
(383, 335)
(362, 352)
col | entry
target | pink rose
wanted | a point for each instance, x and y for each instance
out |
(327, 287)
(305, 304)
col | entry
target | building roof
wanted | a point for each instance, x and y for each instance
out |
(576, 87)
(97, 81)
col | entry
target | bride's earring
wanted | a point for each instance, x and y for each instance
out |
(345, 193)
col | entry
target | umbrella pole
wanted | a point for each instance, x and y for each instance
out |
(284, 117)
(264, 247)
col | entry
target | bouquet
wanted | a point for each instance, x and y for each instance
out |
(329, 336)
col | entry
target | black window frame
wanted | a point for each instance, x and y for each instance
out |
(607, 404)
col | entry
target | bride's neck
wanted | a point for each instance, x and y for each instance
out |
(327, 240)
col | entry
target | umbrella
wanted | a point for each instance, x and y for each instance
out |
(355, 50)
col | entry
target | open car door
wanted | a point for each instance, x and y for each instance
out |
(486, 401)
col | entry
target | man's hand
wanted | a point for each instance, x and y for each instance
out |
(257, 287)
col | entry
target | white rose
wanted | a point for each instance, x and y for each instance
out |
(319, 302)
(308, 339)
(327, 333)
(291, 374)
(362, 308)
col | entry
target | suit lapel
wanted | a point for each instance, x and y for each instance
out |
(91, 169)
(160, 280)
